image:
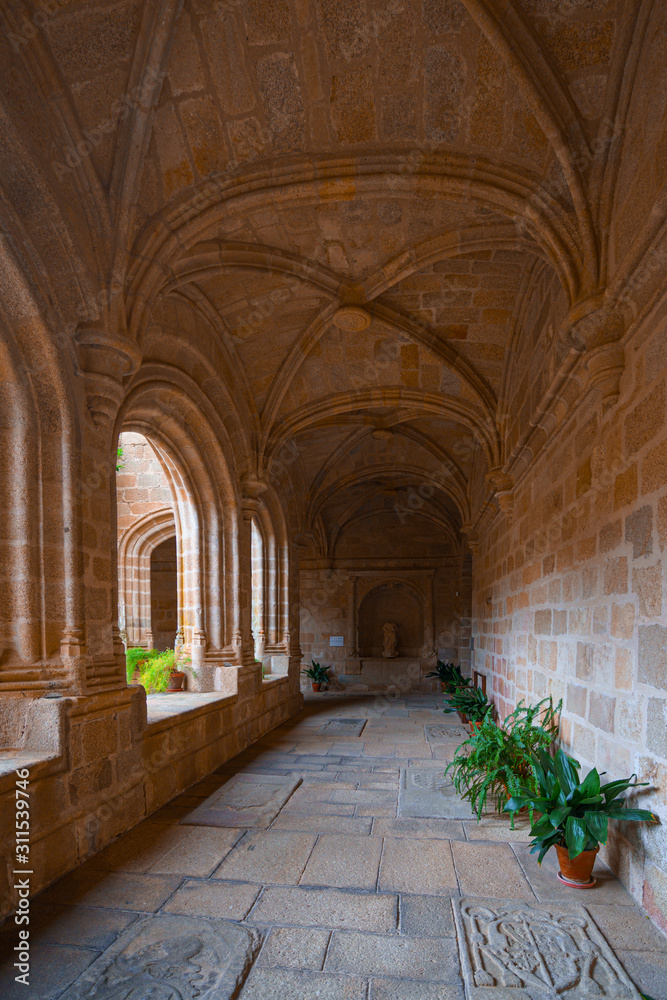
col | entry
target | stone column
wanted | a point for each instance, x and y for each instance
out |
(249, 506)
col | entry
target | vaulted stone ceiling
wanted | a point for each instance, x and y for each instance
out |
(375, 235)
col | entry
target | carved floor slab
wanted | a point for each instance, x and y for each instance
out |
(344, 727)
(425, 792)
(511, 950)
(246, 800)
(171, 958)
(442, 733)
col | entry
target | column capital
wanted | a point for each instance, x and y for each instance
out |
(105, 360)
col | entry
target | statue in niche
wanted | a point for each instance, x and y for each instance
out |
(389, 640)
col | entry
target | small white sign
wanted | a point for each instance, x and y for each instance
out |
(336, 640)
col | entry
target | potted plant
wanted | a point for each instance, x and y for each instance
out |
(496, 760)
(471, 703)
(161, 671)
(450, 676)
(574, 814)
(317, 674)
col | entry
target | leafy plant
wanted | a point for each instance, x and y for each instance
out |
(119, 458)
(135, 657)
(469, 701)
(575, 814)
(496, 760)
(317, 673)
(155, 667)
(450, 675)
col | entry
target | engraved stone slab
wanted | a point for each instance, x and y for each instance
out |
(516, 950)
(425, 792)
(171, 958)
(246, 801)
(441, 733)
(344, 727)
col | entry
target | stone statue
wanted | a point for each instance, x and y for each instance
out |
(389, 639)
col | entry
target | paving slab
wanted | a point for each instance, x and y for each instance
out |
(295, 948)
(622, 927)
(442, 733)
(344, 727)
(274, 856)
(490, 870)
(274, 984)
(113, 890)
(52, 969)
(344, 862)
(327, 908)
(220, 900)
(400, 989)
(246, 800)
(535, 951)
(544, 882)
(318, 808)
(425, 792)
(138, 850)
(426, 916)
(497, 828)
(172, 956)
(423, 959)
(417, 866)
(648, 969)
(199, 854)
(419, 829)
(324, 824)
(83, 926)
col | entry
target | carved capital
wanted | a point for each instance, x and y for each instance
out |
(471, 537)
(502, 485)
(105, 361)
(593, 323)
(249, 507)
(605, 367)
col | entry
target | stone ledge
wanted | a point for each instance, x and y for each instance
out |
(162, 709)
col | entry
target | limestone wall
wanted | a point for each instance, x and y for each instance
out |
(569, 597)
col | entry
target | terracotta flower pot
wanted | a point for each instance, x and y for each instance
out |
(316, 685)
(576, 872)
(176, 681)
(474, 725)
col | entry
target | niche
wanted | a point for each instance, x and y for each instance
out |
(391, 602)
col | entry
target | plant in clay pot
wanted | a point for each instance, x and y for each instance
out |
(469, 702)
(158, 671)
(317, 674)
(575, 814)
(450, 677)
(496, 761)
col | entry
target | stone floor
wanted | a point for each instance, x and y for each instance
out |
(331, 861)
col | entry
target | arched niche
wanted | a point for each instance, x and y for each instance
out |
(393, 601)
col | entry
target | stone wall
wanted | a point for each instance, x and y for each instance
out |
(569, 597)
(101, 766)
(141, 485)
(328, 597)
(164, 594)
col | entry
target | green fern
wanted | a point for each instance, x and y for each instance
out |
(495, 761)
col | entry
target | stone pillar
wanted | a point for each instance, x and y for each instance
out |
(249, 505)
(105, 361)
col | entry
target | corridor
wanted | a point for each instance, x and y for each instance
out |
(336, 865)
